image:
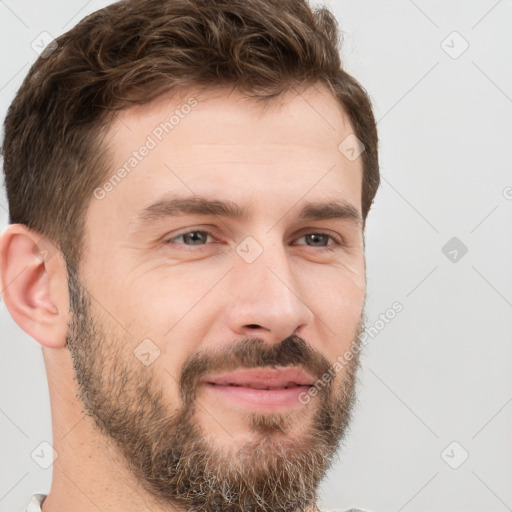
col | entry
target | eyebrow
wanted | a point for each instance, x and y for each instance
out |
(164, 208)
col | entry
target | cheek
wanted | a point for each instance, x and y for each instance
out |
(340, 307)
(337, 297)
(161, 301)
(336, 288)
(175, 312)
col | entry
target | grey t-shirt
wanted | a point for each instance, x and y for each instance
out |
(37, 500)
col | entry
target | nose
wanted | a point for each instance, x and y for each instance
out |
(267, 298)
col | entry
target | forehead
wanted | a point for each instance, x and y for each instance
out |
(229, 107)
(220, 143)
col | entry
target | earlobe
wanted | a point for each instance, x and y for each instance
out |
(33, 281)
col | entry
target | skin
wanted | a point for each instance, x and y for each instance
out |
(145, 282)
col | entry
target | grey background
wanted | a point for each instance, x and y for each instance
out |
(440, 371)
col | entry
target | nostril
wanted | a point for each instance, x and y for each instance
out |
(254, 326)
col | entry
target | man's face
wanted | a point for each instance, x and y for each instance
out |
(182, 310)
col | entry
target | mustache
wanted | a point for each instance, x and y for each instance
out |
(250, 353)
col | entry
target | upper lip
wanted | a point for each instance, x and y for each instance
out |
(264, 378)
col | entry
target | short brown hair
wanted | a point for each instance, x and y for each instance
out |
(132, 51)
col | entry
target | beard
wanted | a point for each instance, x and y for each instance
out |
(179, 463)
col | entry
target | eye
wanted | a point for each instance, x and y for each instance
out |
(191, 238)
(321, 240)
(200, 238)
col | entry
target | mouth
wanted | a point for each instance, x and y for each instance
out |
(264, 389)
(255, 386)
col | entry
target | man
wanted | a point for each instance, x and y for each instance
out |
(188, 184)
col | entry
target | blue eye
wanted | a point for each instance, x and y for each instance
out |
(195, 237)
(318, 239)
(201, 238)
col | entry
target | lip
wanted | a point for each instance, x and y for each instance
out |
(263, 377)
(241, 387)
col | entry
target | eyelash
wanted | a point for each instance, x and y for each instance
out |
(338, 242)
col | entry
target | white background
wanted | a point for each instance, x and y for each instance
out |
(441, 370)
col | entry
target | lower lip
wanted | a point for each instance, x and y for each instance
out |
(261, 399)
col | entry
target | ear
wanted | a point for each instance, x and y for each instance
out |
(33, 280)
